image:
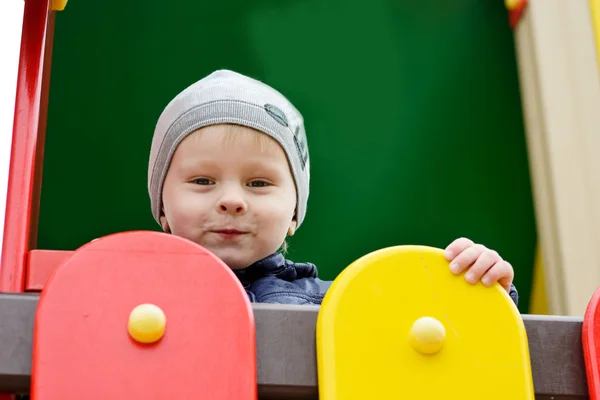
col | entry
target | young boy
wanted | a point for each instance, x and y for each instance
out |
(229, 169)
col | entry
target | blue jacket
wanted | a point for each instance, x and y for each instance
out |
(277, 280)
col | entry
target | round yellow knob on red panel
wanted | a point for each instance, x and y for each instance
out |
(147, 323)
(427, 335)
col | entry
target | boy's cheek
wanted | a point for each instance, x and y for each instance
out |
(184, 204)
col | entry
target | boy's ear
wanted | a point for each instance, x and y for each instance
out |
(164, 223)
(292, 227)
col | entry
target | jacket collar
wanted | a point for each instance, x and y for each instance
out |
(276, 265)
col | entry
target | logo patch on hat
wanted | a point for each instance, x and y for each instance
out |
(277, 114)
(300, 141)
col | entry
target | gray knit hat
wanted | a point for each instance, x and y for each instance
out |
(228, 97)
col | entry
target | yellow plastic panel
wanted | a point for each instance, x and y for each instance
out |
(397, 324)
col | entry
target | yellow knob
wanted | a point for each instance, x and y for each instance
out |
(427, 335)
(512, 4)
(147, 323)
(58, 5)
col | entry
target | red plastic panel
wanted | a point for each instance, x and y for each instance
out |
(24, 178)
(81, 346)
(41, 264)
(591, 345)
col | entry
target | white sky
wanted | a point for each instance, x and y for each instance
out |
(11, 19)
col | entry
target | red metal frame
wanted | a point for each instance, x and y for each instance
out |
(22, 202)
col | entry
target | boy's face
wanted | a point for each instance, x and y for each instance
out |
(230, 189)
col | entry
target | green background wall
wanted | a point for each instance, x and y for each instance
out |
(412, 110)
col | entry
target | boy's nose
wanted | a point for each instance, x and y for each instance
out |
(232, 204)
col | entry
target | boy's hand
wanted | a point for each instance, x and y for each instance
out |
(481, 262)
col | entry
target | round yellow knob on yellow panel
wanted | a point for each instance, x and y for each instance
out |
(147, 323)
(427, 335)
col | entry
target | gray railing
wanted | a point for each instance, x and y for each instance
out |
(286, 351)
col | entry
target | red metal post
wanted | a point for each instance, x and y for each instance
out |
(20, 223)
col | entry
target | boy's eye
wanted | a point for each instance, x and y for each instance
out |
(203, 181)
(258, 184)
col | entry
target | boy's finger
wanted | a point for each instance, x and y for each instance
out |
(501, 272)
(507, 279)
(484, 262)
(456, 247)
(466, 258)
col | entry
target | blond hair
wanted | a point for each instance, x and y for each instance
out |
(233, 132)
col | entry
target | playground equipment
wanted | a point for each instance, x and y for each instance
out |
(557, 45)
(399, 314)
(183, 353)
(591, 345)
(590, 334)
(143, 315)
(197, 335)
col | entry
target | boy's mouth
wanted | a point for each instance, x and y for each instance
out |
(229, 233)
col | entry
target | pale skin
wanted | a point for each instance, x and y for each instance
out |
(230, 189)
(479, 262)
